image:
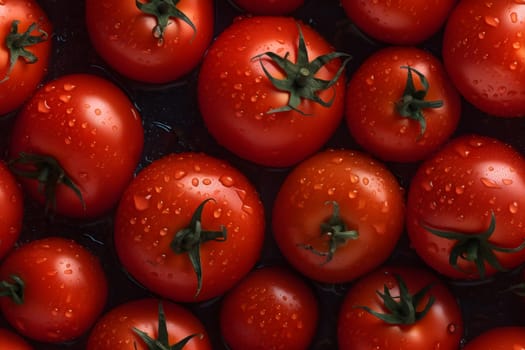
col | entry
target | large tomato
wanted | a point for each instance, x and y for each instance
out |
(499, 338)
(400, 104)
(11, 210)
(261, 92)
(483, 53)
(465, 208)
(399, 308)
(53, 289)
(25, 49)
(189, 227)
(76, 144)
(154, 41)
(338, 215)
(12, 341)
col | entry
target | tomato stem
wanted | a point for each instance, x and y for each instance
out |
(13, 290)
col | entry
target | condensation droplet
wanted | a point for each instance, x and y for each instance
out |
(489, 183)
(513, 207)
(141, 202)
(226, 180)
(492, 21)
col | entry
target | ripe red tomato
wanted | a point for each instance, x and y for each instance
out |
(499, 338)
(269, 7)
(401, 308)
(120, 327)
(154, 41)
(25, 50)
(271, 125)
(186, 215)
(53, 289)
(338, 215)
(270, 308)
(482, 51)
(396, 114)
(93, 131)
(11, 210)
(12, 341)
(400, 22)
(465, 208)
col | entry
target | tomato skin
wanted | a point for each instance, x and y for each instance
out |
(456, 190)
(65, 289)
(24, 77)
(93, 130)
(482, 56)
(269, 7)
(401, 22)
(114, 330)
(235, 95)
(372, 94)
(498, 338)
(11, 210)
(12, 341)
(276, 298)
(370, 200)
(441, 327)
(161, 200)
(131, 49)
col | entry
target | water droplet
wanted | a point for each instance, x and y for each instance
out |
(43, 106)
(69, 87)
(513, 65)
(247, 209)
(492, 21)
(237, 86)
(481, 35)
(451, 328)
(513, 207)
(65, 98)
(68, 272)
(489, 183)
(226, 180)
(141, 202)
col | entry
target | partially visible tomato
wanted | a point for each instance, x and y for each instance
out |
(269, 7)
(53, 289)
(12, 341)
(153, 41)
(11, 210)
(25, 49)
(499, 338)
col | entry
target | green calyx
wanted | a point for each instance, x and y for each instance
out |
(402, 309)
(17, 43)
(300, 81)
(163, 10)
(49, 174)
(335, 231)
(413, 102)
(475, 248)
(162, 342)
(189, 239)
(14, 289)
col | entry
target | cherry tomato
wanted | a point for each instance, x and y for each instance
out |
(401, 105)
(465, 208)
(401, 308)
(127, 325)
(189, 227)
(338, 215)
(270, 308)
(483, 54)
(25, 51)
(76, 145)
(154, 41)
(12, 341)
(11, 210)
(498, 338)
(53, 289)
(259, 91)
(269, 7)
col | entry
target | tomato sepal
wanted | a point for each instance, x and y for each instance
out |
(13, 290)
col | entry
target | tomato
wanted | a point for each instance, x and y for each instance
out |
(400, 22)
(269, 7)
(11, 210)
(401, 308)
(464, 215)
(83, 138)
(483, 54)
(400, 104)
(498, 338)
(338, 215)
(189, 227)
(12, 341)
(121, 327)
(25, 51)
(153, 41)
(271, 308)
(272, 125)
(53, 289)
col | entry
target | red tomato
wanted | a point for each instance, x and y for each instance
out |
(401, 22)
(483, 53)
(186, 213)
(24, 26)
(393, 114)
(269, 7)
(11, 210)
(120, 327)
(499, 338)
(155, 41)
(57, 289)
(250, 116)
(338, 215)
(12, 341)
(92, 130)
(373, 312)
(271, 308)
(465, 208)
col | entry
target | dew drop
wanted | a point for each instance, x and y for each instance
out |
(513, 207)
(492, 21)
(43, 106)
(69, 87)
(489, 183)
(141, 202)
(226, 180)
(451, 328)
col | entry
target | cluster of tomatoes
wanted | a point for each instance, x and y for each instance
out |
(300, 174)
